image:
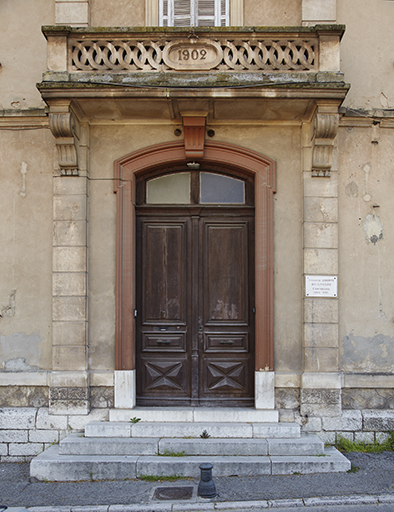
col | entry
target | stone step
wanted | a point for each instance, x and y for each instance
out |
(196, 414)
(77, 444)
(51, 466)
(193, 429)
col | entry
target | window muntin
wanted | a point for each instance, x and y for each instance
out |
(192, 13)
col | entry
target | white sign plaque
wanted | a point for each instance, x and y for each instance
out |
(321, 286)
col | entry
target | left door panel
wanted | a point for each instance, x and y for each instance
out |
(162, 293)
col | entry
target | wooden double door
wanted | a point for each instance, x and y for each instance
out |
(195, 306)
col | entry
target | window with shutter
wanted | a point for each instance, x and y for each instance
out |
(192, 13)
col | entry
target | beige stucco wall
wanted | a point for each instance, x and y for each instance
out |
(256, 12)
(287, 221)
(23, 51)
(366, 57)
(117, 13)
(272, 12)
(26, 249)
(366, 248)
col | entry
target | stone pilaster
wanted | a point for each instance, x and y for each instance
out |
(69, 392)
(320, 391)
(319, 11)
(72, 12)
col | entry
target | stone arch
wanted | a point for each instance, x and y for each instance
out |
(126, 170)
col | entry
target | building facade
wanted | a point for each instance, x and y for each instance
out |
(196, 203)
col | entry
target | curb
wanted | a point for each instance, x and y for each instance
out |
(221, 506)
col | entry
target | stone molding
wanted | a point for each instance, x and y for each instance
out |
(173, 153)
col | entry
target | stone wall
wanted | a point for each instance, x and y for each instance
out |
(360, 414)
(27, 431)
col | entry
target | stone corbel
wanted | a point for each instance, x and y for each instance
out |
(63, 126)
(194, 130)
(324, 133)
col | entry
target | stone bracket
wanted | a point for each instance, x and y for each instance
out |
(63, 126)
(194, 130)
(324, 132)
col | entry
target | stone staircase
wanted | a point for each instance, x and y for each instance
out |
(155, 446)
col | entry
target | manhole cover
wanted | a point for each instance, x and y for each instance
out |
(173, 493)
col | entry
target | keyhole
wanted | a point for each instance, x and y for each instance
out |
(162, 314)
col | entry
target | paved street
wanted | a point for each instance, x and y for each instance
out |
(373, 482)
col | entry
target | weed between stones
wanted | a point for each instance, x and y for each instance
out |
(344, 445)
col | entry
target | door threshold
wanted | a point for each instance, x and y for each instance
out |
(195, 414)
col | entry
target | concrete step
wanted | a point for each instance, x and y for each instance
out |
(51, 466)
(193, 429)
(196, 414)
(77, 444)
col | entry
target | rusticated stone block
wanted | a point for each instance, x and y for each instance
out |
(44, 436)
(349, 421)
(378, 421)
(320, 396)
(359, 398)
(364, 437)
(13, 436)
(27, 449)
(287, 398)
(46, 421)
(24, 396)
(320, 402)
(310, 424)
(18, 418)
(101, 397)
(73, 400)
(345, 435)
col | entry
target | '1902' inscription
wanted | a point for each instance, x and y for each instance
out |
(202, 55)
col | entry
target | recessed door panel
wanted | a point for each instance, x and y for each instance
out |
(164, 268)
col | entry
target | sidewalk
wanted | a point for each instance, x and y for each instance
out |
(372, 483)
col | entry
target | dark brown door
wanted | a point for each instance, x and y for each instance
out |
(195, 320)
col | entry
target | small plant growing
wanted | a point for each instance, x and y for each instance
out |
(135, 419)
(345, 445)
(154, 478)
(204, 434)
(167, 453)
(353, 469)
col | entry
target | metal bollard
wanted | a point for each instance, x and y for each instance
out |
(206, 486)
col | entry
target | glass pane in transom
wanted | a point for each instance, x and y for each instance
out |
(219, 189)
(169, 189)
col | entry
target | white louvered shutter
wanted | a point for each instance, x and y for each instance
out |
(186, 13)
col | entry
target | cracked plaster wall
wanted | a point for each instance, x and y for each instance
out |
(25, 249)
(366, 241)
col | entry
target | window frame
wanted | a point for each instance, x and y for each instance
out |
(236, 12)
(171, 17)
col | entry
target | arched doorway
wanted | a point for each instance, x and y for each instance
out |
(195, 287)
(212, 334)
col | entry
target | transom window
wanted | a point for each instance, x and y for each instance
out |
(192, 13)
(195, 188)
